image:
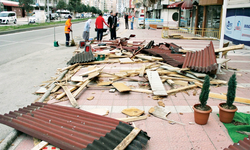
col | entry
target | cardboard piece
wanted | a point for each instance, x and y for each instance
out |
(132, 112)
(121, 87)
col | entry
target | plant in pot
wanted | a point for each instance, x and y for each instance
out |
(227, 110)
(202, 110)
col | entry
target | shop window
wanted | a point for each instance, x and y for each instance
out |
(175, 16)
(213, 17)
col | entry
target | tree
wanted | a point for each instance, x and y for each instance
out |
(26, 4)
(205, 92)
(232, 83)
(88, 8)
(73, 5)
(93, 10)
(61, 5)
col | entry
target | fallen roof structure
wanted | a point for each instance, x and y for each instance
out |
(201, 61)
(241, 145)
(72, 129)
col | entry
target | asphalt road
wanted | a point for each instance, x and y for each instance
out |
(29, 58)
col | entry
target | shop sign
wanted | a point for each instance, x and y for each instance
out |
(238, 28)
(158, 22)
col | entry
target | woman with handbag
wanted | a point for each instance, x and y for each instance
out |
(99, 27)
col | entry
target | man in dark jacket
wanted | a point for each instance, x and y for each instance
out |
(110, 22)
(126, 20)
(114, 26)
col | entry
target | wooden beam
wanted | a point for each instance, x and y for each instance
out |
(142, 91)
(229, 48)
(71, 97)
(142, 71)
(224, 97)
(156, 84)
(181, 89)
(91, 71)
(81, 88)
(70, 89)
(40, 146)
(132, 119)
(121, 87)
(128, 139)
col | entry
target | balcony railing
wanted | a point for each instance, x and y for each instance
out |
(193, 32)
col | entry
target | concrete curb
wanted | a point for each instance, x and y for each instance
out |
(4, 145)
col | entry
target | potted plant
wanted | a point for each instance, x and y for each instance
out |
(227, 110)
(202, 110)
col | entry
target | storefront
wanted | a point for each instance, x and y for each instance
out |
(208, 18)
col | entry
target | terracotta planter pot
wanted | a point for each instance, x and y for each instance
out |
(201, 117)
(226, 115)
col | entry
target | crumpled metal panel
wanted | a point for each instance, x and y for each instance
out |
(241, 145)
(165, 51)
(70, 128)
(82, 57)
(201, 61)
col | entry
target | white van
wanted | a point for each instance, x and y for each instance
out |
(63, 13)
(8, 17)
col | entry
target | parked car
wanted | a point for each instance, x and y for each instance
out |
(8, 17)
(33, 19)
(54, 16)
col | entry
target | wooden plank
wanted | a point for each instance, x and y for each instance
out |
(102, 62)
(56, 88)
(40, 146)
(132, 119)
(93, 74)
(142, 91)
(142, 71)
(224, 97)
(222, 60)
(77, 79)
(70, 89)
(69, 67)
(91, 71)
(229, 48)
(81, 88)
(170, 82)
(125, 60)
(104, 83)
(156, 84)
(151, 58)
(197, 74)
(71, 97)
(181, 89)
(121, 87)
(180, 82)
(128, 139)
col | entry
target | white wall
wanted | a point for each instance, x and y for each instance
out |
(166, 14)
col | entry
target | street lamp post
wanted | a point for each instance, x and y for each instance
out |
(48, 20)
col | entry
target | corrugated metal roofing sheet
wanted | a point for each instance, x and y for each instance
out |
(201, 61)
(165, 51)
(241, 145)
(87, 56)
(71, 128)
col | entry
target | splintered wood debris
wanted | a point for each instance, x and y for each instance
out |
(149, 75)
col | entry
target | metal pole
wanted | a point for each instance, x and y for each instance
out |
(48, 10)
(223, 23)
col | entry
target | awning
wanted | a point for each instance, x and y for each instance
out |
(187, 4)
(10, 4)
(174, 5)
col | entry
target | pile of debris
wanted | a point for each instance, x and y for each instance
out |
(163, 66)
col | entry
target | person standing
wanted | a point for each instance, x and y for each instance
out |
(67, 30)
(114, 25)
(85, 35)
(99, 26)
(126, 20)
(110, 22)
(132, 21)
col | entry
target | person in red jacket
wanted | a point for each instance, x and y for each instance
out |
(99, 26)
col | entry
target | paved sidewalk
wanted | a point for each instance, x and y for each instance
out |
(166, 136)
